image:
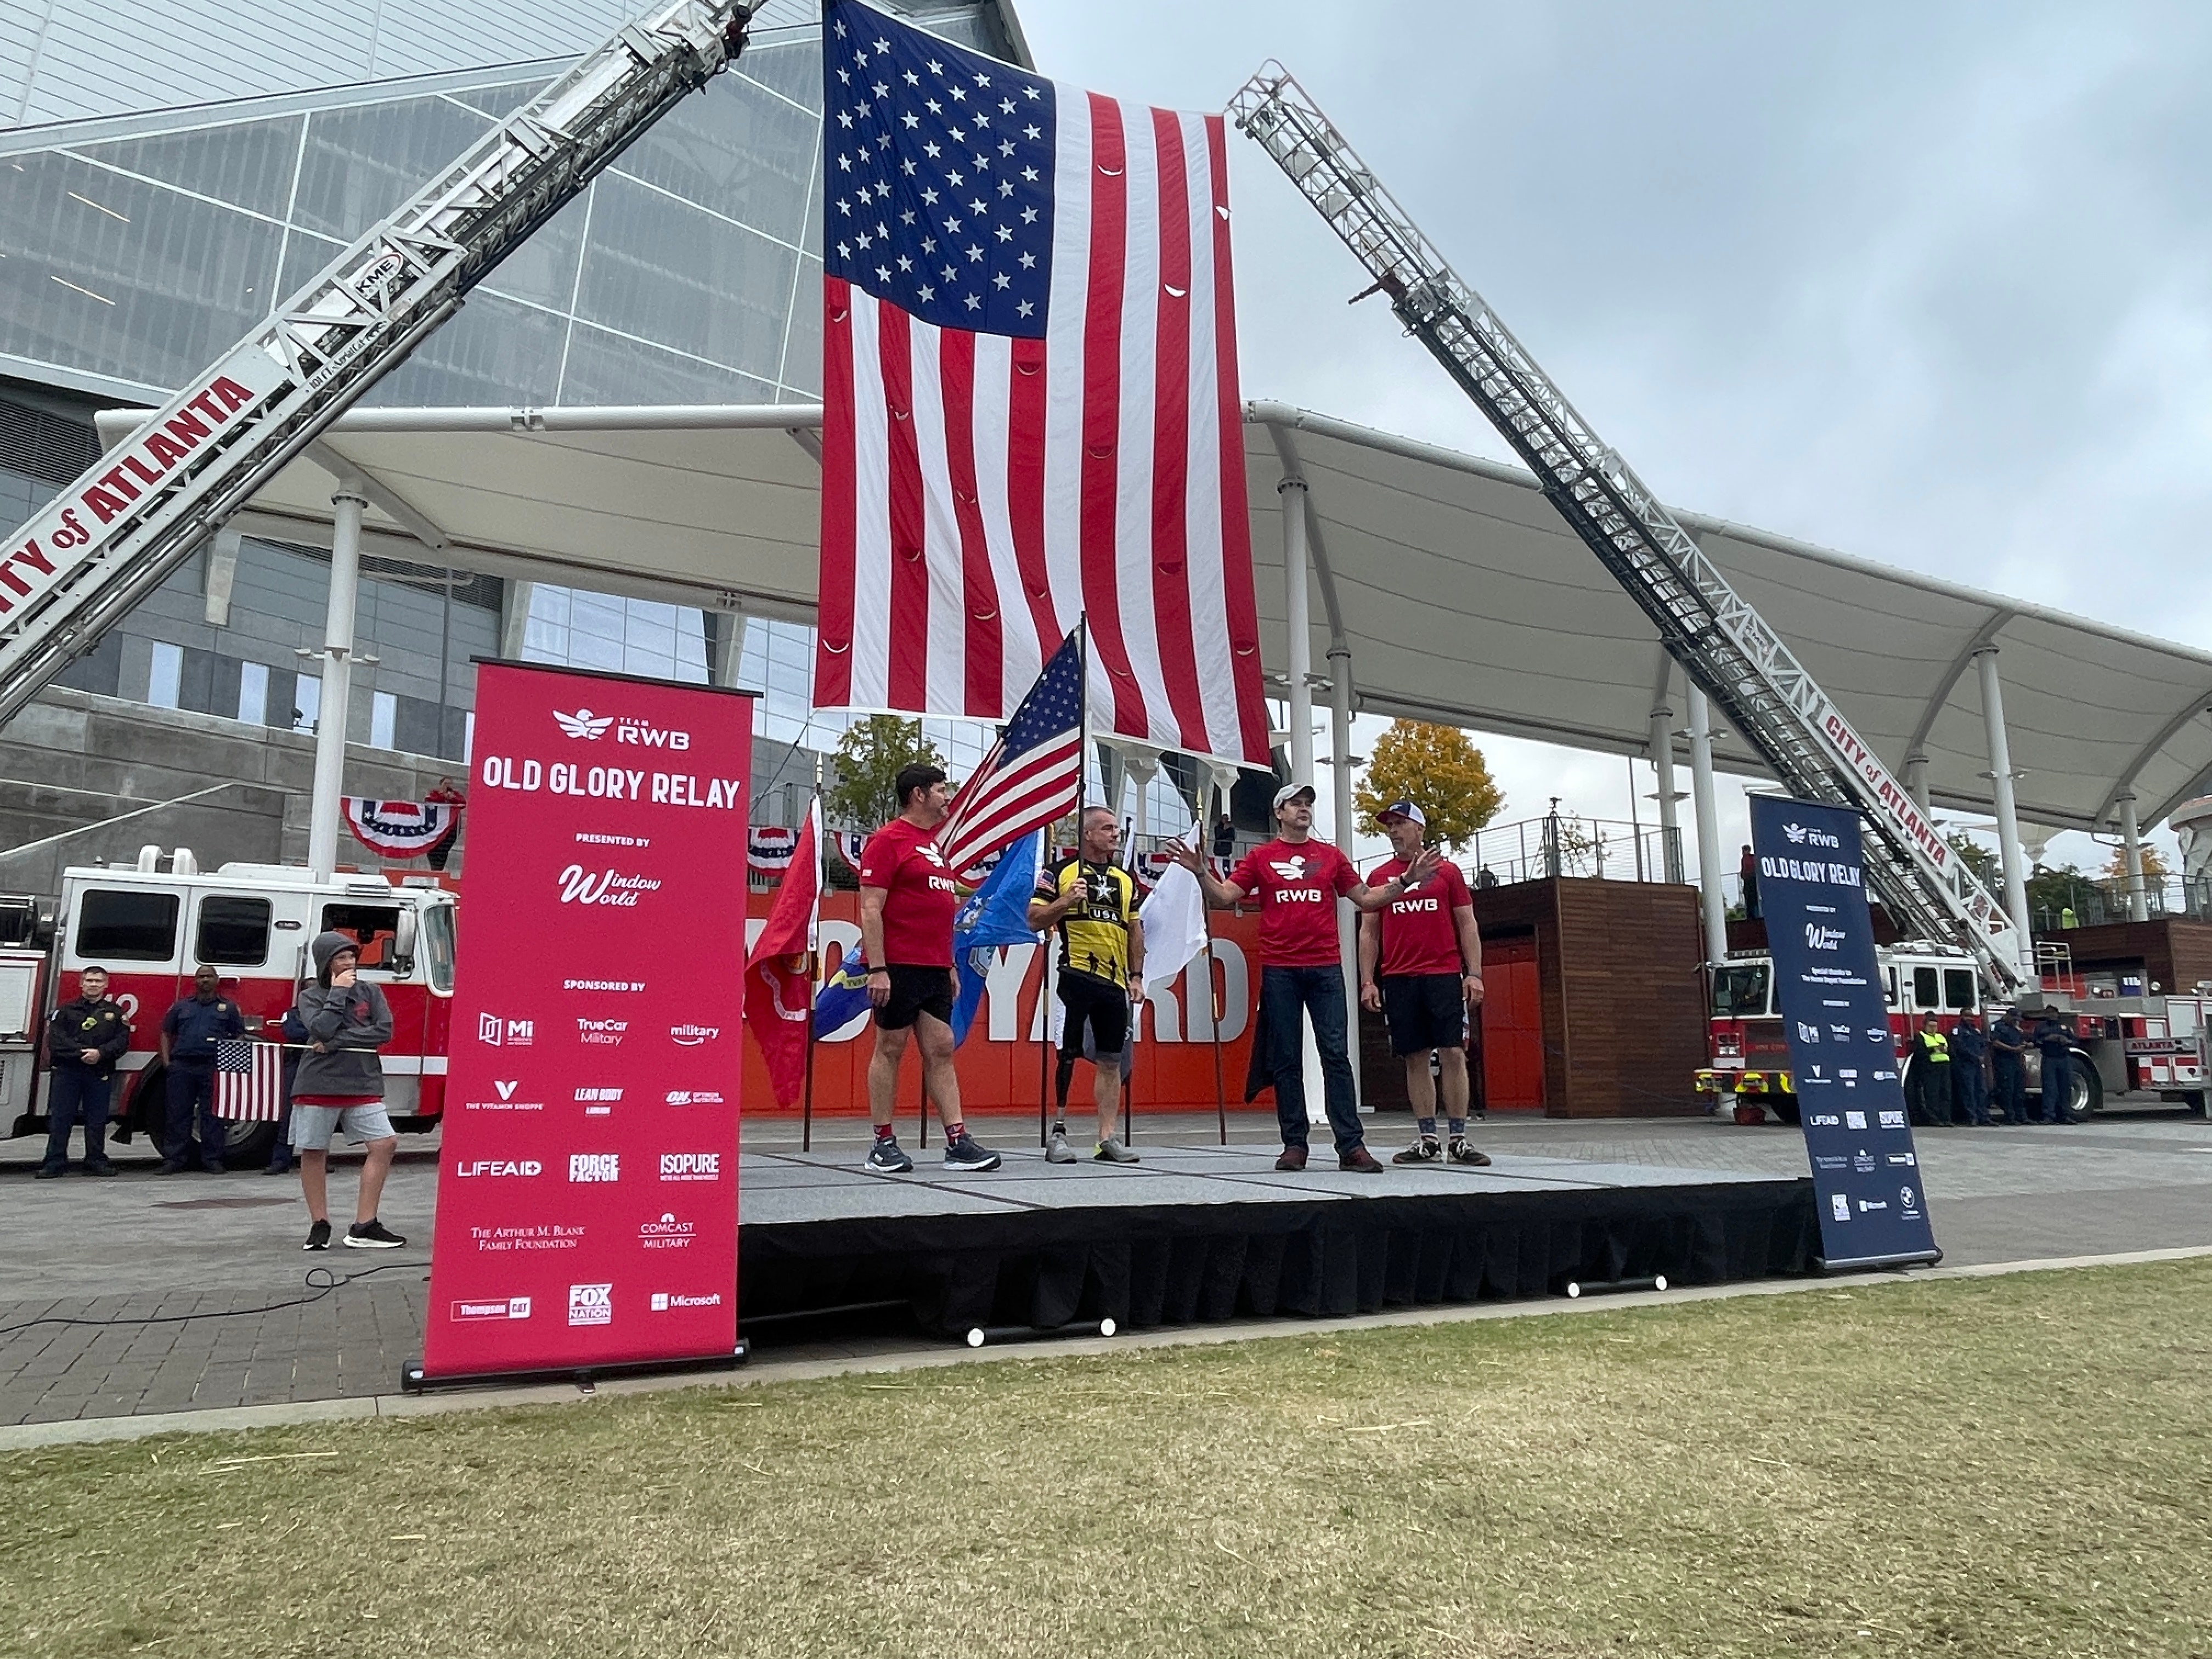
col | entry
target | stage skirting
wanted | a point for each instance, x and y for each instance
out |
(1202, 1235)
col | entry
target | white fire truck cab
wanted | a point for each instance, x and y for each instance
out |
(1748, 1054)
(151, 927)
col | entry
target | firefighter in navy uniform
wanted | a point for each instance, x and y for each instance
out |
(1090, 902)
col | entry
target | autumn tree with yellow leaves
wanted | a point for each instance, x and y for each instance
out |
(1438, 770)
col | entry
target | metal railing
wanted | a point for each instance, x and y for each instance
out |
(2091, 901)
(1567, 844)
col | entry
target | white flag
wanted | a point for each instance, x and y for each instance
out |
(1174, 920)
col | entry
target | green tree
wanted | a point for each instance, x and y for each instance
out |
(2052, 892)
(869, 758)
(1982, 860)
(1437, 767)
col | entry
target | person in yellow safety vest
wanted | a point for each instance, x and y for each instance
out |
(1928, 1083)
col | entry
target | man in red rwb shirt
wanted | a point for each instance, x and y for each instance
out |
(907, 905)
(1430, 958)
(1297, 881)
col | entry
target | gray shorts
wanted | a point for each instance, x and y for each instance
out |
(311, 1126)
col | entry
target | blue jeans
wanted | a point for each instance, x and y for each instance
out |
(75, 1096)
(192, 1097)
(1319, 993)
(2011, 1079)
(2058, 1088)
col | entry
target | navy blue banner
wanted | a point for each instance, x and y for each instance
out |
(1827, 987)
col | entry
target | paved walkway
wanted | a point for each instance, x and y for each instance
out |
(138, 1264)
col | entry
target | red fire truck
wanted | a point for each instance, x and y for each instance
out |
(1749, 1053)
(151, 925)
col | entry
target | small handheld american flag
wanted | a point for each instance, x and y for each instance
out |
(1033, 774)
(249, 1079)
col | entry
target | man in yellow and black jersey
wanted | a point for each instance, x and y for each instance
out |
(1090, 902)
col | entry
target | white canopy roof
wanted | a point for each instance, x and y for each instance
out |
(1461, 595)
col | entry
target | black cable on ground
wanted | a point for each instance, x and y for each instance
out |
(318, 1288)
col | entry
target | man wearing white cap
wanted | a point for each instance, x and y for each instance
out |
(1429, 960)
(1297, 881)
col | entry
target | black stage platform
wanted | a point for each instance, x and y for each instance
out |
(1196, 1234)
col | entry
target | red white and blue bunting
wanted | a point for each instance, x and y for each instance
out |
(399, 829)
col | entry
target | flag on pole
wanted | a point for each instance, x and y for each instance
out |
(997, 914)
(843, 997)
(249, 1080)
(1033, 774)
(780, 968)
(1174, 920)
(1031, 411)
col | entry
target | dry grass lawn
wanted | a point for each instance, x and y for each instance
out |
(2007, 1467)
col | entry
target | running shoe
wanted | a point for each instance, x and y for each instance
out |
(968, 1153)
(1110, 1151)
(1057, 1151)
(318, 1237)
(372, 1235)
(1460, 1153)
(887, 1157)
(1424, 1150)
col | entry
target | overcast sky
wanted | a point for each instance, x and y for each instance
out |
(1930, 284)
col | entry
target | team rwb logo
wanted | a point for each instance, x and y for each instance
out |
(584, 724)
(1291, 869)
(591, 1305)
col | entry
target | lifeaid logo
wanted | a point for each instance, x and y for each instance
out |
(492, 1167)
(591, 1305)
(691, 1166)
(578, 886)
(1825, 1120)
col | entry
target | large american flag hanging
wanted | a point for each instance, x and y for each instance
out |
(1033, 774)
(1032, 409)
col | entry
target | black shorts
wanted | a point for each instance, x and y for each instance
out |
(1105, 1006)
(916, 990)
(1425, 1012)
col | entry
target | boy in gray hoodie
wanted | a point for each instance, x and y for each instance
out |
(340, 1083)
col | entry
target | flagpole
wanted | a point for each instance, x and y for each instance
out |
(814, 958)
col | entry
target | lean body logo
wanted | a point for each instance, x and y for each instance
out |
(591, 1305)
(597, 1103)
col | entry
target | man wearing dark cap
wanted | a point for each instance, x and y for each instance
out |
(1297, 881)
(1420, 966)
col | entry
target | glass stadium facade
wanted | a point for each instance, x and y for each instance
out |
(151, 215)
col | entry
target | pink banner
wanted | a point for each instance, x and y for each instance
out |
(588, 1190)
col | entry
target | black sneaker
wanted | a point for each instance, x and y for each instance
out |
(1460, 1153)
(318, 1237)
(1425, 1150)
(48, 1171)
(372, 1235)
(887, 1157)
(968, 1153)
(101, 1169)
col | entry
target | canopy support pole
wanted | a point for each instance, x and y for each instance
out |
(1713, 901)
(1347, 916)
(1298, 623)
(2131, 840)
(333, 706)
(1662, 767)
(2000, 779)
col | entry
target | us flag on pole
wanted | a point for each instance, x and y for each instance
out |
(249, 1079)
(1032, 775)
(1031, 412)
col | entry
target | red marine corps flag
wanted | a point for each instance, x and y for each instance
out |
(1030, 403)
(778, 972)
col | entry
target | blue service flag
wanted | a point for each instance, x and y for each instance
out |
(845, 997)
(996, 914)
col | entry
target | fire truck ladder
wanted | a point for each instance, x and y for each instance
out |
(110, 539)
(1726, 647)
